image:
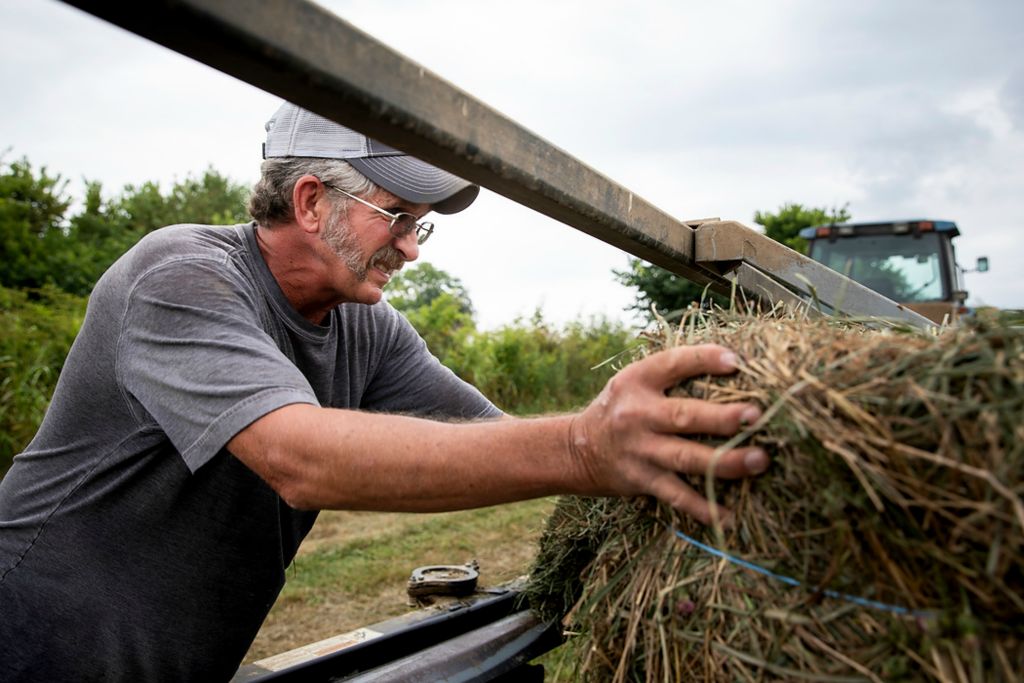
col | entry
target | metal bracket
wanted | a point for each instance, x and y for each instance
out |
(769, 270)
(443, 579)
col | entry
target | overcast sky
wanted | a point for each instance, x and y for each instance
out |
(902, 109)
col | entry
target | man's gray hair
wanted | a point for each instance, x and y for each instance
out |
(271, 199)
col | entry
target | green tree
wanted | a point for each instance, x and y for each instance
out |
(438, 306)
(32, 208)
(211, 198)
(444, 326)
(526, 367)
(422, 284)
(93, 241)
(106, 229)
(39, 200)
(785, 224)
(40, 245)
(655, 286)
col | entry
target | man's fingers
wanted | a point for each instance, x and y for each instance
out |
(667, 368)
(672, 490)
(693, 416)
(689, 457)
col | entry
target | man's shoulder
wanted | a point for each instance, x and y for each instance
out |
(176, 246)
(191, 240)
(179, 262)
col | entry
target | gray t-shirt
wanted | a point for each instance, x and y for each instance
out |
(133, 546)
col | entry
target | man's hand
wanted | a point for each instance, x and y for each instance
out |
(628, 440)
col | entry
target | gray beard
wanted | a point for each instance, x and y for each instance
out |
(342, 241)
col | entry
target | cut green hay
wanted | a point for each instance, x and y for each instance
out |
(886, 542)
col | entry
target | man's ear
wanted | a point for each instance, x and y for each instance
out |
(310, 202)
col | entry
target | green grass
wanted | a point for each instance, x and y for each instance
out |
(366, 563)
(36, 331)
(353, 568)
(359, 562)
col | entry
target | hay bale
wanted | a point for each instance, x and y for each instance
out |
(885, 543)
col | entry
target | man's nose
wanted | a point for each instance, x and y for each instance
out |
(408, 245)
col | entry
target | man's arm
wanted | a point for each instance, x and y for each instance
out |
(627, 442)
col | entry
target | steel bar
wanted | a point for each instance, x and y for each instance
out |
(305, 54)
(490, 652)
(752, 281)
(388, 640)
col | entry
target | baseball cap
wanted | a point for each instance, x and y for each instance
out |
(296, 132)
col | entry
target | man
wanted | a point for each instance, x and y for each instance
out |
(230, 381)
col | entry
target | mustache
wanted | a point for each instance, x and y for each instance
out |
(388, 259)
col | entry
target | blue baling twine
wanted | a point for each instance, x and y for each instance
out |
(857, 600)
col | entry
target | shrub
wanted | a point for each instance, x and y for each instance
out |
(36, 331)
(528, 368)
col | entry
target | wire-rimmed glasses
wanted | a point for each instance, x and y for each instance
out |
(402, 223)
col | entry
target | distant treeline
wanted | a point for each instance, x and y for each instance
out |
(50, 259)
(43, 243)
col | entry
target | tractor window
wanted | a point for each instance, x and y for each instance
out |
(902, 267)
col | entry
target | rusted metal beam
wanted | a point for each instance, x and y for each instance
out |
(306, 54)
(773, 271)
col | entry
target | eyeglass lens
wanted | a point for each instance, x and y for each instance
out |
(404, 223)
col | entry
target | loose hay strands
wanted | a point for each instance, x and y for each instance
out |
(894, 502)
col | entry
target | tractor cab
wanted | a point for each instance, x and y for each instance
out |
(910, 262)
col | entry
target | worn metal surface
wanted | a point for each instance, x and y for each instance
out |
(447, 579)
(753, 282)
(481, 655)
(381, 643)
(721, 246)
(305, 54)
(938, 312)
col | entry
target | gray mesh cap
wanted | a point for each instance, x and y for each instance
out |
(295, 132)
